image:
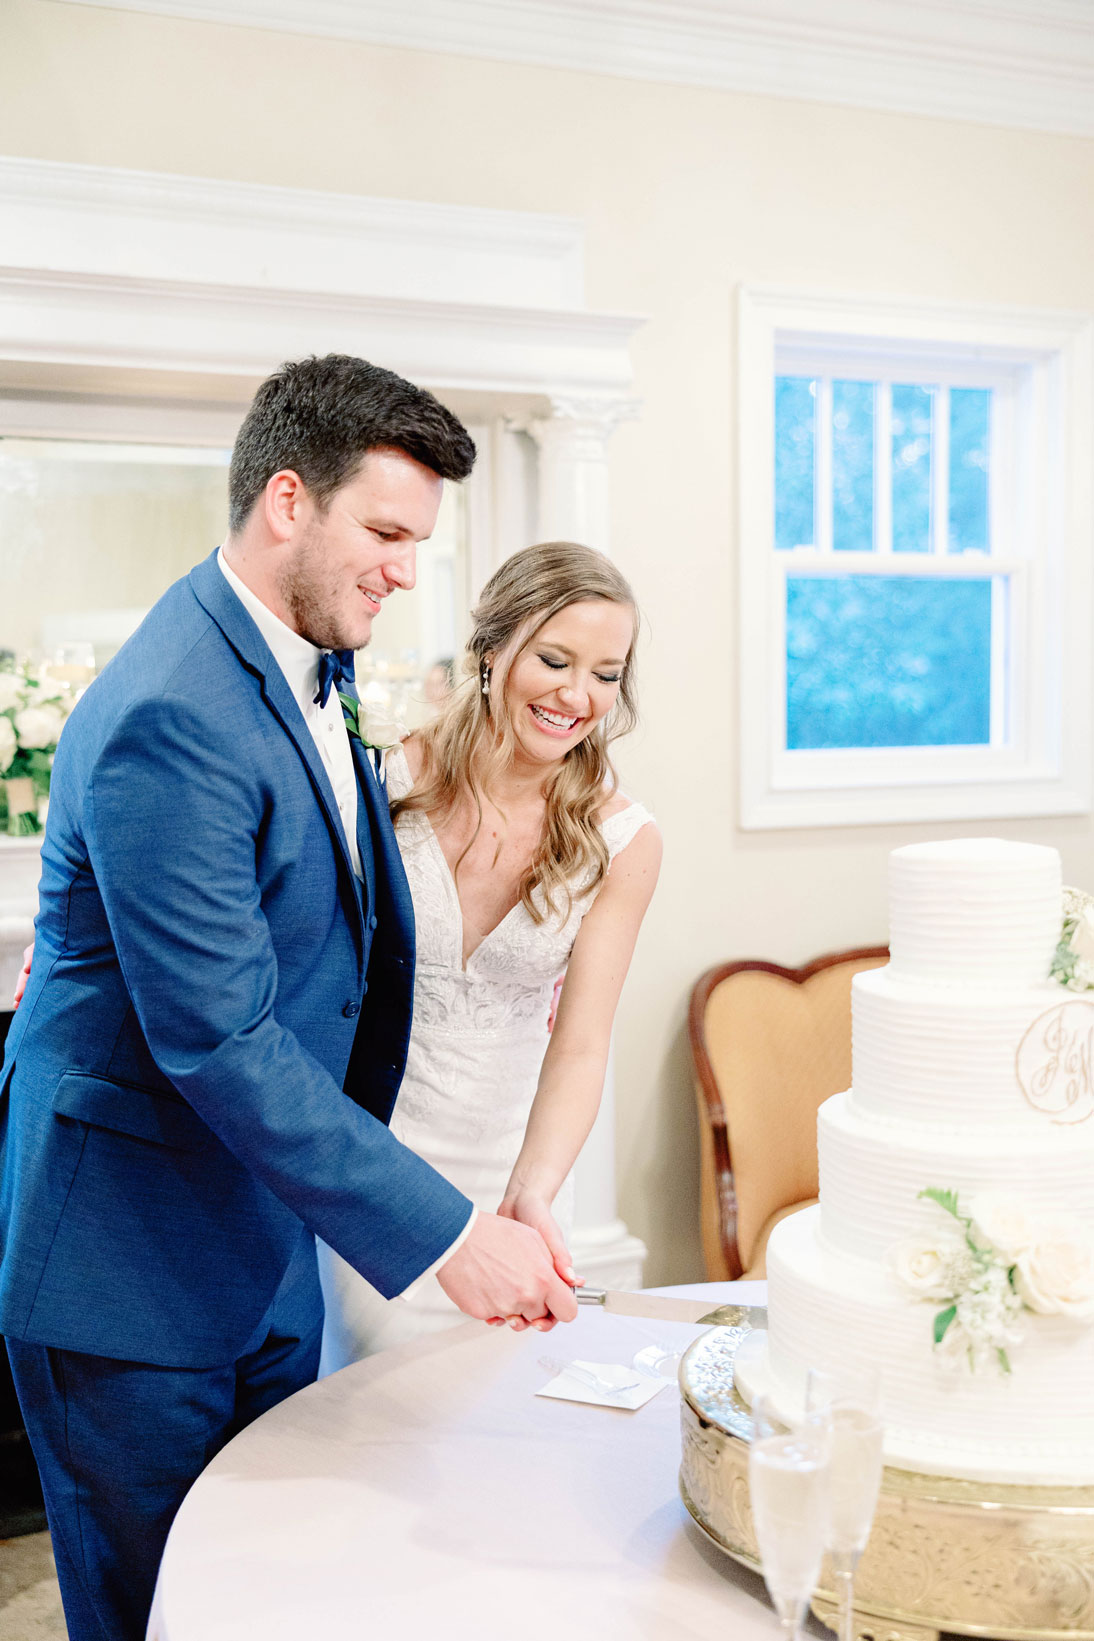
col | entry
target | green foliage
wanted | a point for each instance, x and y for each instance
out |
(942, 1322)
(944, 1199)
(351, 712)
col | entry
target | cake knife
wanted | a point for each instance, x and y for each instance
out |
(658, 1307)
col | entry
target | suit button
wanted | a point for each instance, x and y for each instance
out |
(350, 1009)
(372, 922)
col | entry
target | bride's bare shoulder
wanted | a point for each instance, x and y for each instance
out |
(613, 806)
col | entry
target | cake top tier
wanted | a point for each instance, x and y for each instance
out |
(974, 910)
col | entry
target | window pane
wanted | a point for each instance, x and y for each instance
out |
(853, 466)
(970, 425)
(911, 469)
(887, 661)
(794, 401)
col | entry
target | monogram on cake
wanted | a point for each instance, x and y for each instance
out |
(953, 1244)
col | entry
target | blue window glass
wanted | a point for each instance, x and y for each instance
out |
(794, 445)
(887, 661)
(853, 466)
(911, 424)
(970, 430)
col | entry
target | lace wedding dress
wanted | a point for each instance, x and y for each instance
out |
(477, 1043)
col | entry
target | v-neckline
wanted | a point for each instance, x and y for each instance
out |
(464, 962)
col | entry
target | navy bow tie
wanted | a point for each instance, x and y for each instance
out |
(335, 669)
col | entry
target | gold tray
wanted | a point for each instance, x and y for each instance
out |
(974, 1558)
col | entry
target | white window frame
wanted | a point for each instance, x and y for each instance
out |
(1042, 366)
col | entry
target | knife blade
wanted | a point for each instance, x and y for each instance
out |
(658, 1307)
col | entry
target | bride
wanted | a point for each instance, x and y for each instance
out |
(524, 863)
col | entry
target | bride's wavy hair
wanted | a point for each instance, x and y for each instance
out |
(472, 740)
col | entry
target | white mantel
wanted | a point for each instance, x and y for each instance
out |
(20, 868)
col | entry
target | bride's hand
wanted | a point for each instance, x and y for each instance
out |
(21, 983)
(529, 1208)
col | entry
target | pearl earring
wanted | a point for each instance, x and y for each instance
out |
(485, 679)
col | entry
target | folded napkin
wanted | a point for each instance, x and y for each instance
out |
(612, 1386)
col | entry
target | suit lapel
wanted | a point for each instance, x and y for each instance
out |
(389, 891)
(214, 594)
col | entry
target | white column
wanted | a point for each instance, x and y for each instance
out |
(574, 499)
(573, 504)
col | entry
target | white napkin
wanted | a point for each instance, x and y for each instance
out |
(566, 1388)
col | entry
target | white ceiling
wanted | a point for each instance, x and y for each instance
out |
(1004, 62)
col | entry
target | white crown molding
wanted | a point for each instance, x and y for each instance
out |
(155, 225)
(1026, 63)
(110, 323)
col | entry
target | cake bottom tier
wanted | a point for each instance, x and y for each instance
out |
(1034, 1425)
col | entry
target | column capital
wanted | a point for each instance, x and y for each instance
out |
(576, 416)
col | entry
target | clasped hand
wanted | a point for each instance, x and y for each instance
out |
(512, 1270)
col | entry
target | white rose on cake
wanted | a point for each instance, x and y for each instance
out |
(999, 1222)
(1082, 939)
(1055, 1274)
(39, 727)
(931, 1267)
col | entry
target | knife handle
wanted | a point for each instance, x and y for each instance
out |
(590, 1296)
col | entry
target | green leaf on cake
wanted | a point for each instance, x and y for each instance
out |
(942, 1322)
(1004, 1359)
(945, 1199)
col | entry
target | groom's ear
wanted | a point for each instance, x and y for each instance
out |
(284, 500)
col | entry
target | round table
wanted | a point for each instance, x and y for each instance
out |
(428, 1491)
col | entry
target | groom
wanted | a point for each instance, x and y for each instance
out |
(201, 1072)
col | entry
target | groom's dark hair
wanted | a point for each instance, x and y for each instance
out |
(320, 417)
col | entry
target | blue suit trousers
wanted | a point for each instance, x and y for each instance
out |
(118, 1445)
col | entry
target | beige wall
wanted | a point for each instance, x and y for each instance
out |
(685, 193)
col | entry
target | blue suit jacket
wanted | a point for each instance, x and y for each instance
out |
(199, 1064)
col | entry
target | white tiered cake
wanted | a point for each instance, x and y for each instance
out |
(972, 1072)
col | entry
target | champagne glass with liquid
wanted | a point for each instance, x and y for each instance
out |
(788, 1486)
(847, 1403)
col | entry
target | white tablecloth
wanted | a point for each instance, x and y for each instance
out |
(428, 1492)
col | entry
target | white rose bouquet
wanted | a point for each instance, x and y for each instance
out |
(32, 715)
(990, 1266)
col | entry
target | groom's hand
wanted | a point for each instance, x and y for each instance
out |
(506, 1269)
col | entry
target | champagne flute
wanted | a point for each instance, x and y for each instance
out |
(848, 1402)
(788, 1486)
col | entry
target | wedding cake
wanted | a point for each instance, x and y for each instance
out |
(952, 1245)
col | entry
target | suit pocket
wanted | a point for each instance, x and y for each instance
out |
(143, 1113)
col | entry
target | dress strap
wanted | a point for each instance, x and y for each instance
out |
(619, 829)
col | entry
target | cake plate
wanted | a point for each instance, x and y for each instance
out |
(1013, 1563)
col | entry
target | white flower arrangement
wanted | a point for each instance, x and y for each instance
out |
(32, 716)
(1073, 962)
(990, 1267)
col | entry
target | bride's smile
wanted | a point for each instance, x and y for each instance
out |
(565, 679)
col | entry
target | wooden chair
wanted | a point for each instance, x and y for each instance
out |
(768, 1045)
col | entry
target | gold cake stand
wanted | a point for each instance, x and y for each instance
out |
(974, 1558)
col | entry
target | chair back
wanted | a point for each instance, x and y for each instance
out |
(768, 1045)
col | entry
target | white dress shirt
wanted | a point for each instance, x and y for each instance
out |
(299, 662)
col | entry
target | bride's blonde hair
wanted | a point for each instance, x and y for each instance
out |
(472, 741)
